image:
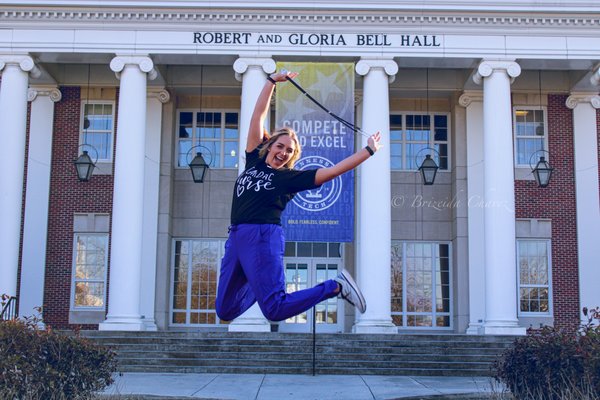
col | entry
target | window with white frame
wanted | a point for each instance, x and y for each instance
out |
(411, 133)
(97, 128)
(535, 295)
(421, 285)
(216, 131)
(195, 274)
(530, 131)
(90, 257)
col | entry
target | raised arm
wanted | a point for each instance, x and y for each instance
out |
(257, 121)
(326, 174)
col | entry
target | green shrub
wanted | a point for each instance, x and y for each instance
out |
(43, 364)
(549, 364)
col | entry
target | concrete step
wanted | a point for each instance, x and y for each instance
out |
(292, 356)
(223, 352)
(222, 335)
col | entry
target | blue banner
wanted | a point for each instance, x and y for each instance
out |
(325, 214)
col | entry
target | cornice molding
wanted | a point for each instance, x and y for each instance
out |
(325, 17)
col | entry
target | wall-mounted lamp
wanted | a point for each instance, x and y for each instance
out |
(198, 165)
(428, 167)
(542, 171)
(84, 164)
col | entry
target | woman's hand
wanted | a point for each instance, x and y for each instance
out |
(282, 75)
(373, 141)
(326, 174)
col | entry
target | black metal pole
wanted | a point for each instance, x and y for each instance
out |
(314, 339)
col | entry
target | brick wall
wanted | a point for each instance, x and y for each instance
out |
(557, 202)
(68, 196)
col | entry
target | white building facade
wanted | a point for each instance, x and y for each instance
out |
(490, 86)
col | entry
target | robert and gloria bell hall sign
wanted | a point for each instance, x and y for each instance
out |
(317, 39)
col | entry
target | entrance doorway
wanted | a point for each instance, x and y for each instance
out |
(302, 272)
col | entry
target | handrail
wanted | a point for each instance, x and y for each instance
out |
(9, 308)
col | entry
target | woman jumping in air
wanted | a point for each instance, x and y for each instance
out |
(252, 267)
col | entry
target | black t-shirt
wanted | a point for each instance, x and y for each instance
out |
(261, 193)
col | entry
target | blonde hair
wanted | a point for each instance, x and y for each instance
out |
(276, 135)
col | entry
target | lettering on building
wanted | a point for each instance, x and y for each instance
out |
(317, 39)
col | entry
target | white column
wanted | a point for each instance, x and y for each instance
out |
(37, 194)
(374, 241)
(499, 199)
(13, 119)
(156, 98)
(124, 312)
(584, 106)
(473, 102)
(252, 72)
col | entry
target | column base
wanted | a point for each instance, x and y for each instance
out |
(375, 326)
(122, 324)
(250, 325)
(252, 320)
(150, 325)
(474, 329)
(502, 328)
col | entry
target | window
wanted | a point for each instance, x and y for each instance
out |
(534, 277)
(216, 131)
(89, 271)
(411, 133)
(421, 285)
(313, 249)
(97, 128)
(194, 281)
(296, 278)
(530, 134)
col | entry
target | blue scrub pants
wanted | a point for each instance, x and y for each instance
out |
(252, 270)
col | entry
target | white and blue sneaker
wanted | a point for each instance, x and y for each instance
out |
(350, 292)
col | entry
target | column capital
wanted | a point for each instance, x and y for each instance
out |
(470, 96)
(241, 65)
(159, 93)
(42, 90)
(144, 63)
(578, 98)
(487, 67)
(24, 62)
(388, 65)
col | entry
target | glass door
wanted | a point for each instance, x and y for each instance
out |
(302, 273)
